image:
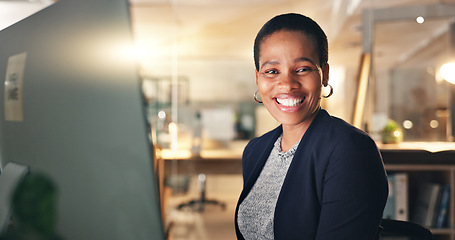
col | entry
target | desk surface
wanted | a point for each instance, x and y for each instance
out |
(233, 151)
(418, 153)
(213, 161)
(228, 161)
(204, 155)
(433, 147)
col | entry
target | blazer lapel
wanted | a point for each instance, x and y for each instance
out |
(263, 153)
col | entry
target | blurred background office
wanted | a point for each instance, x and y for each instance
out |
(196, 62)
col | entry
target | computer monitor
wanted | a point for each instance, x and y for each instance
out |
(72, 108)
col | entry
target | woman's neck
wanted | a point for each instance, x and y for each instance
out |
(293, 133)
(290, 138)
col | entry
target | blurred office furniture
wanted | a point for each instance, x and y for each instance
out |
(219, 161)
(403, 230)
(422, 162)
(425, 163)
(164, 191)
(158, 167)
(200, 204)
(209, 162)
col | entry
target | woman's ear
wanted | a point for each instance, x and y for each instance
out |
(325, 75)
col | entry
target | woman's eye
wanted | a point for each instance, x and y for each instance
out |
(304, 70)
(271, 72)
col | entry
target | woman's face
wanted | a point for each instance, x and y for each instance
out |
(289, 77)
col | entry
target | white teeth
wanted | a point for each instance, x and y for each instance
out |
(289, 102)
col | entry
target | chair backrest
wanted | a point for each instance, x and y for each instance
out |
(403, 230)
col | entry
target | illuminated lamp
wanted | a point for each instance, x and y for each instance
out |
(448, 72)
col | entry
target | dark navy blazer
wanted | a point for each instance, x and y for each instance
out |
(335, 189)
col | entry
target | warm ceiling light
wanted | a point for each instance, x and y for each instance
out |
(420, 19)
(162, 114)
(407, 124)
(434, 123)
(448, 72)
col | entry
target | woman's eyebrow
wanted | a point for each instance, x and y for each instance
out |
(301, 59)
(271, 62)
(304, 59)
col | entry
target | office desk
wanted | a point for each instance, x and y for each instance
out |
(229, 160)
(216, 162)
(430, 153)
(220, 161)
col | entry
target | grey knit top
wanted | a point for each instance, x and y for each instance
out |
(256, 212)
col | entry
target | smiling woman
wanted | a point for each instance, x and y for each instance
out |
(289, 79)
(315, 176)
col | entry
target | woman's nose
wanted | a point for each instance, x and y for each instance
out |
(289, 81)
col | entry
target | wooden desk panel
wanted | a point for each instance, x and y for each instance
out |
(203, 165)
(225, 161)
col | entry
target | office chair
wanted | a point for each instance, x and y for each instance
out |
(199, 204)
(402, 230)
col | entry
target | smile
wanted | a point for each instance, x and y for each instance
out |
(290, 102)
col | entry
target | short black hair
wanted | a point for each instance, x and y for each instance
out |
(293, 22)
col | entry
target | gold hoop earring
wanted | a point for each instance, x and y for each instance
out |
(256, 97)
(330, 93)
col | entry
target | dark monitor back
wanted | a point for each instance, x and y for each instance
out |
(76, 114)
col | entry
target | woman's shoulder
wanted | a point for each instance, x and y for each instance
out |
(334, 128)
(334, 136)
